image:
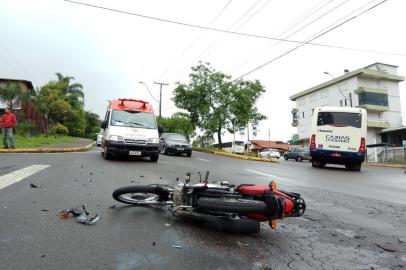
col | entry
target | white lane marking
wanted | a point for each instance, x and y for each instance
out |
(16, 176)
(274, 176)
(202, 159)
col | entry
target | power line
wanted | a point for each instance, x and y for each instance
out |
(194, 41)
(180, 71)
(296, 31)
(307, 42)
(232, 32)
(15, 60)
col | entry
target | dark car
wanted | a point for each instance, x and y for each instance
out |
(175, 143)
(298, 154)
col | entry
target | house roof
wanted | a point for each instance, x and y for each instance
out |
(261, 144)
(28, 83)
(358, 72)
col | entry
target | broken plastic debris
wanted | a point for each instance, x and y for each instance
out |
(114, 206)
(34, 185)
(243, 244)
(167, 224)
(80, 214)
(85, 218)
(176, 246)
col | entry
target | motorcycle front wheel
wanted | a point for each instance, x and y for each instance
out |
(142, 195)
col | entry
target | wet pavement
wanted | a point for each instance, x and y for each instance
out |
(353, 220)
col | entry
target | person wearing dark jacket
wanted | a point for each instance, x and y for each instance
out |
(8, 122)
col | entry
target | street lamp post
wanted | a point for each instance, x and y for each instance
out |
(338, 87)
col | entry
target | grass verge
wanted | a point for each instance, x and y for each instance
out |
(40, 140)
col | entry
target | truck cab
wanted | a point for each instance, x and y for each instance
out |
(130, 129)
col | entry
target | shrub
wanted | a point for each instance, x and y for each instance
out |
(59, 129)
(25, 129)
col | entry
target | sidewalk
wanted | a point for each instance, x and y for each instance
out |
(79, 145)
(387, 165)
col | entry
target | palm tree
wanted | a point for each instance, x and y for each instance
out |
(72, 91)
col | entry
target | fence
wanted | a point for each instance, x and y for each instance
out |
(386, 154)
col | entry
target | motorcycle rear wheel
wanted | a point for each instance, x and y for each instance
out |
(231, 205)
(141, 195)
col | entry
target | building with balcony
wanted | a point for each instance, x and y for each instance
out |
(374, 88)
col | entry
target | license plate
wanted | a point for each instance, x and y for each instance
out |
(134, 153)
(336, 155)
(179, 149)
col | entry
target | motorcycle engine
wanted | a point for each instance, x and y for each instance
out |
(177, 195)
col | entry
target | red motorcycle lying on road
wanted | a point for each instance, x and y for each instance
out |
(226, 206)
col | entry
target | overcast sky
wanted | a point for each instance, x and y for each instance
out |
(109, 52)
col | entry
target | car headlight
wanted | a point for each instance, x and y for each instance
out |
(116, 138)
(153, 140)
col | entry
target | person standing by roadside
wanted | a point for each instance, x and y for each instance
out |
(8, 121)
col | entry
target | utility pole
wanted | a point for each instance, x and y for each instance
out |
(160, 96)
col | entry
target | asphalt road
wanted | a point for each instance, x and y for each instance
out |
(353, 220)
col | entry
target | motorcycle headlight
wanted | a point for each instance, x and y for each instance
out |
(153, 140)
(116, 138)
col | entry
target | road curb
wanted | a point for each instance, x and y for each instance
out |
(384, 165)
(48, 150)
(238, 156)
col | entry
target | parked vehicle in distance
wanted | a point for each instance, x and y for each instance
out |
(338, 137)
(298, 154)
(235, 147)
(130, 128)
(272, 153)
(175, 143)
(99, 137)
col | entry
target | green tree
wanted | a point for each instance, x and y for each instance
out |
(295, 140)
(11, 93)
(178, 123)
(203, 141)
(62, 103)
(215, 103)
(73, 91)
(92, 124)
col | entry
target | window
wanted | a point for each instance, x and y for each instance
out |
(373, 99)
(133, 119)
(341, 103)
(345, 102)
(339, 119)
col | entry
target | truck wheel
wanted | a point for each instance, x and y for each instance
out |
(154, 157)
(299, 159)
(285, 157)
(356, 167)
(106, 154)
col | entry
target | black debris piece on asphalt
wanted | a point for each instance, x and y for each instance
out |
(135, 181)
(34, 185)
(160, 177)
(141, 176)
(90, 180)
(91, 173)
(43, 256)
(113, 206)
(80, 214)
(76, 180)
(153, 243)
(44, 210)
(81, 166)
